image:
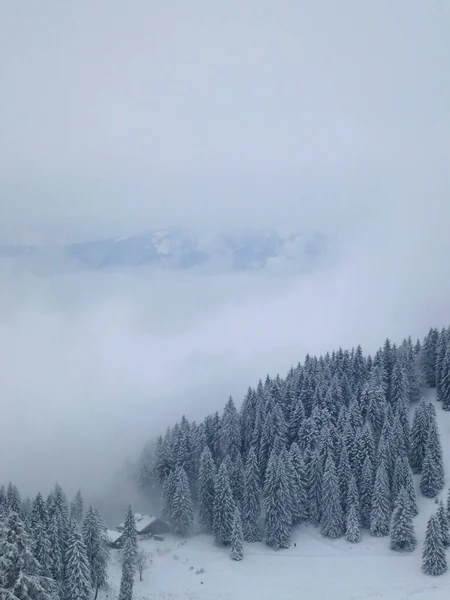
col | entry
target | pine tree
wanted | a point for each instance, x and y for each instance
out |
(252, 499)
(344, 474)
(401, 528)
(13, 499)
(419, 434)
(56, 552)
(182, 507)
(39, 512)
(353, 523)
(77, 584)
(20, 577)
(230, 430)
(444, 386)
(97, 551)
(206, 482)
(367, 481)
(126, 582)
(434, 561)
(237, 551)
(41, 548)
(76, 508)
(381, 506)
(236, 474)
(332, 521)
(299, 492)
(277, 501)
(444, 524)
(315, 488)
(428, 357)
(224, 507)
(130, 540)
(167, 495)
(432, 480)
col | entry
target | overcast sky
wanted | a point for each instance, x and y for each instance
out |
(117, 116)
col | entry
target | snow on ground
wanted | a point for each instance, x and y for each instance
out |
(314, 569)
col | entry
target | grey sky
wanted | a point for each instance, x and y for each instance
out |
(117, 116)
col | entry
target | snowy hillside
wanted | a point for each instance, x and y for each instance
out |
(313, 567)
(177, 249)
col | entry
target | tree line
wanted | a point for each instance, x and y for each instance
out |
(337, 443)
(50, 550)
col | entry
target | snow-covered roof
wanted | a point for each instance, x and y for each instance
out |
(113, 535)
(142, 521)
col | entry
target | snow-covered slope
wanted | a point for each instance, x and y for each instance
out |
(179, 249)
(313, 569)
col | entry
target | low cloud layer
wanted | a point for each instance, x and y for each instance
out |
(92, 365)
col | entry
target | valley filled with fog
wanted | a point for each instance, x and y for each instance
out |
(93, 364)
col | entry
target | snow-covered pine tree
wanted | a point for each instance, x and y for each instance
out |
(56, 552)
(39, 512)
(428, 357)
(13, 499)
(252, 499)
(237, 551)
(126, 582)
(182, 507)
(332, 521)
(367, 481)
(353, 523)
(444, 524)
(444, 387)
(97, 550)
(236, 474)
(130, 539)
(442, 347)
(419, 435)
(432, 480)
(58, 506)
(41, 548)
(206, 482)
(76, 508)
(277, 503)
(224, 507)
(167, 495)
(381, 505)
(402, 534)
(20, 577)
(315, 488)
(230, 430)
(299, 495)
(434, 561)
(77, 574)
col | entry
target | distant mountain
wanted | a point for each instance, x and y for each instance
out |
(177, 249)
